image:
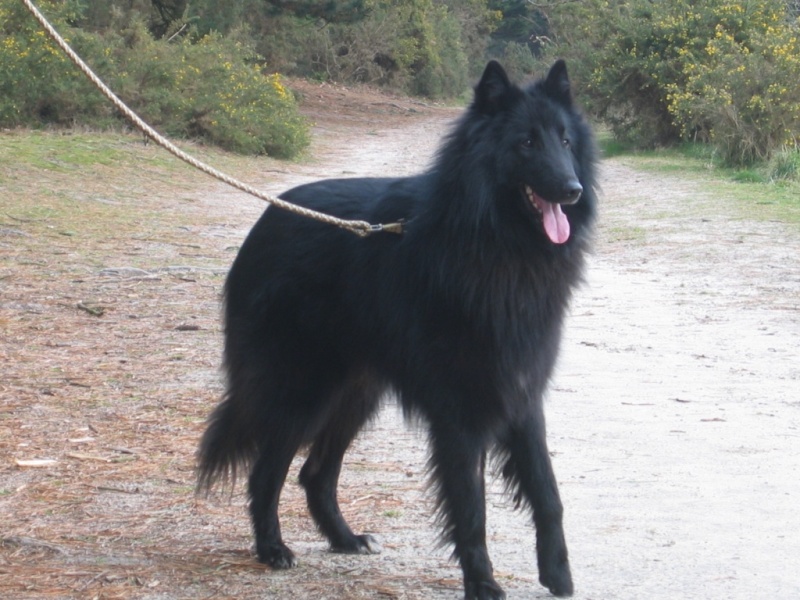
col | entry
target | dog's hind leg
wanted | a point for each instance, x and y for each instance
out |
(265, 484)
(320, 473)
(458, 460)
(528, 467)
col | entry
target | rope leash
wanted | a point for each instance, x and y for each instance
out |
(360, 228)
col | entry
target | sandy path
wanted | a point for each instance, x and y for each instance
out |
(681, 362)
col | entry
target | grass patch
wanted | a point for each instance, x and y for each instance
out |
(77, 195)
(60, 153)
(128, 158)
(785, 165)
(748, 176)
(609, 146)
(626, 234)
(86, 174)
(755, 192)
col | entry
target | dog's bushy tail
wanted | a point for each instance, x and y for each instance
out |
(226, 448)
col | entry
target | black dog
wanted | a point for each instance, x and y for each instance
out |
(460, 317)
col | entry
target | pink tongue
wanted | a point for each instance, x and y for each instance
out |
(555, 222)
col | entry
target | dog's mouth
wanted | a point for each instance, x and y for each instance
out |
(555, 222)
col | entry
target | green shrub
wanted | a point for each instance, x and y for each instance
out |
(229, 101)
(421, 47)
(212, 89)
(442, 67)
(518, 61)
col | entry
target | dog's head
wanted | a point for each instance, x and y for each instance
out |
(543, 152)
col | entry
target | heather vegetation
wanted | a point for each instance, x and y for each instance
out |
(211, 88)
(720, 73)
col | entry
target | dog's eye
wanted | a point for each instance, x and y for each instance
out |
(565, 142)
(528, 143)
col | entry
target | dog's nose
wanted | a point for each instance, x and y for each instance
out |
(572, 192)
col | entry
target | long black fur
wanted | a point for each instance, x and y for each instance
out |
(460, 317)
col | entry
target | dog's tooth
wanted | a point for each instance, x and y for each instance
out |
(530, 193)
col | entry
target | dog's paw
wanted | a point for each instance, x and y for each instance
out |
(359, 544)
(483, 590)
(558, 581)
(277, 556)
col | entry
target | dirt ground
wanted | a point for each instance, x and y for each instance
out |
(674, 416)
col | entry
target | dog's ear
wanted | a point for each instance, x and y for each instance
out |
(494, 90)
(557, 84)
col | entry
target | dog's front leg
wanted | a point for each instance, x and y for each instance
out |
(529, 470)
(458, 461)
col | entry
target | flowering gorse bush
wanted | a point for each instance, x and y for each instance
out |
(212, 88)
(32, 85)
(743, 94)
(718, 71)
